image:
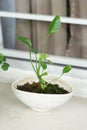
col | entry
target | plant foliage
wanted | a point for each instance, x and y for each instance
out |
(41, 61)
(3, 64)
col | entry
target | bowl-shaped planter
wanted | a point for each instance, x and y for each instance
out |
(42, 102)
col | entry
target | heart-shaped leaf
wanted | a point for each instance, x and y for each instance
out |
(5, 66)
(44, 65)
(25, 40)
(54, 25)
(66, 69)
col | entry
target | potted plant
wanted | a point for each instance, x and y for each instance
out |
(42, 91)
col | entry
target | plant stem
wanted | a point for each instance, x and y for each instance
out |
(56, 78)
(31, 61)
(44, 43)
(38, 69)
(42, 82)
(36, 60)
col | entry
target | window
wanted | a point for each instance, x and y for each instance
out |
(33, 22)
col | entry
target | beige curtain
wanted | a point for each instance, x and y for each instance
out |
(57, 44)
(23, 27)
(77, 46)
(38, 30)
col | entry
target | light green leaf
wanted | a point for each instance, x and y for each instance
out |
(66, 69)
(43, 57)
(24, 40)
(5, 66)
(54, 25)
(44, 74)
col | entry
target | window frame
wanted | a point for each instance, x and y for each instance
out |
(76, 62)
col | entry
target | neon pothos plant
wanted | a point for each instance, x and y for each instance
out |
(3, 64)
(41, 61)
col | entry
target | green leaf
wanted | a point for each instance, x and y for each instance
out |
(1, 58)
(66, 69)
(43, 57)
(54, 25)
(34, 50)
(5, 66)
(44, 65)
(44, 74)
(24, 40)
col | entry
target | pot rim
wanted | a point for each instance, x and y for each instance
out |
(14, 88)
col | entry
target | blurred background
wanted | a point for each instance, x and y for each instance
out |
(69, 41)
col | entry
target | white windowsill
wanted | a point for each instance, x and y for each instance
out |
(16, 116)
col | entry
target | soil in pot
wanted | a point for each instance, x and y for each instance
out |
(36, 88)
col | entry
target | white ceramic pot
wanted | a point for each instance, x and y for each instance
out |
(42, 102)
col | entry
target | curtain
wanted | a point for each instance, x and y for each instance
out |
(38, 30)
(23, 27)
(77, 46)
(69, 41)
